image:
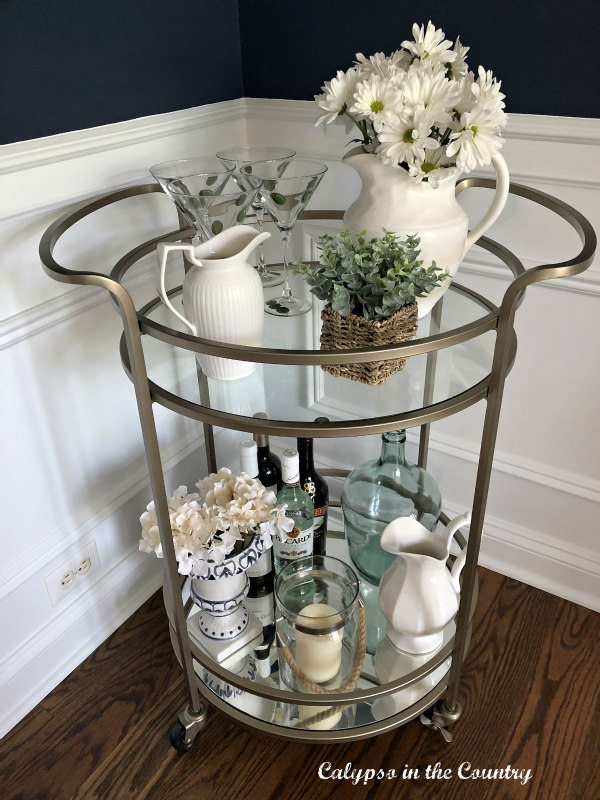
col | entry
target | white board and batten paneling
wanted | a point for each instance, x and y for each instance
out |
(74, 467)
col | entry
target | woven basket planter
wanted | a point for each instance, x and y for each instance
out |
(346, 333)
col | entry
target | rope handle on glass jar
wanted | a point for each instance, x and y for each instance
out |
(358, 661)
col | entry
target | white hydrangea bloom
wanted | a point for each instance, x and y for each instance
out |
(206, 527)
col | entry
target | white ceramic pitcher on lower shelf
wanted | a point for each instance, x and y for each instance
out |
(418, 595)
(222, 295)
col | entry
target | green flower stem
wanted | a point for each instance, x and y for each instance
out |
(361, 125)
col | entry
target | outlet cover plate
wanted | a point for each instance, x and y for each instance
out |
(53, 581)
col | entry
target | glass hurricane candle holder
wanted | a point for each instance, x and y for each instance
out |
(320, 625)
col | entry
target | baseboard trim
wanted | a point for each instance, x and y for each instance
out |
(78, 637)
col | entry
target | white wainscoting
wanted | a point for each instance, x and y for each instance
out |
(74, 467)
(73, 460)
(541, 526)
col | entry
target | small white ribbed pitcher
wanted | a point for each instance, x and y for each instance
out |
(222, 295)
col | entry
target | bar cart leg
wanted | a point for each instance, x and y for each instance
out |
(505, 345)
(187, 728)
(430, 368)
(132, 354)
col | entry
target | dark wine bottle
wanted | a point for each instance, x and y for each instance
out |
(260, 574)
(269, 465)
(316, 487)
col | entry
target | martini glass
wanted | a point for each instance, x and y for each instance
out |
(251, 159)
(211, 206)
(285, 194)
(216, 171)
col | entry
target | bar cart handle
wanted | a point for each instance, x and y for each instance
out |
(162, 251)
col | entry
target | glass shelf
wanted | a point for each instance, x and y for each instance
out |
(299, 393)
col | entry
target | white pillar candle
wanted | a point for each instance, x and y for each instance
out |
(319, 656)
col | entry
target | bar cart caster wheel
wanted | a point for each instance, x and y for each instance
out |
(187, 729)
(441, 717)
(177, 737)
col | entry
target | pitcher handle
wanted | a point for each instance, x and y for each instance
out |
(498, 203)
(162, 251)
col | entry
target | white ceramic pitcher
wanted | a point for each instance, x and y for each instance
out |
(222, 295)
(418, 595)
(389, 198)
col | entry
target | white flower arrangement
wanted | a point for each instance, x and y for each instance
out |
(420, 108)
(207, 526)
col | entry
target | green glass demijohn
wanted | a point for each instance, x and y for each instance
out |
(379, 491)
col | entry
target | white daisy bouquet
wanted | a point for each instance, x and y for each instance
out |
(420, 108)
(229, 511)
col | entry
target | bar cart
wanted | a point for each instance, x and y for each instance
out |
(462, 355)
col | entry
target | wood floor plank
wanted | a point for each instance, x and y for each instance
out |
(530, 690)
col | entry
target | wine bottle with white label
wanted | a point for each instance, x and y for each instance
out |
(316, 488)
(297, 543)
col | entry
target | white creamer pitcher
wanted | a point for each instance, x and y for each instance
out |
(418, 595)
(222, 295)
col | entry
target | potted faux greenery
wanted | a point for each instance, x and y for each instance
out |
(370, 286)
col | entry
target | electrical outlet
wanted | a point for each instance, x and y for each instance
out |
(71, 575)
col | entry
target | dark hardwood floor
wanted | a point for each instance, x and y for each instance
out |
(530, 692)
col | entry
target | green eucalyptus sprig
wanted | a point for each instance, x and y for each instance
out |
(372, 278)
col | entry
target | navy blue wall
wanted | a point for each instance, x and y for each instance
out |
(545, 52)
(72, 64)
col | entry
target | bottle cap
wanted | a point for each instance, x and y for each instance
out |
(248, 459)
(260, 438)
(290, 467)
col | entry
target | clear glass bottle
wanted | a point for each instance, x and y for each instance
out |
(377, 492)
(374, 494)
(298, 543)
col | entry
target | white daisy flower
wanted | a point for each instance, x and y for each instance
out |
(466, 98)
(478, 140)
(337, 93)
(429, 44)
(486, 90)
(404, 137)
(432, 91)
(458, 68)
(433, 167)
(382, 65)
(373, 97)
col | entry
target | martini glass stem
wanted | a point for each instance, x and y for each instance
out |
(260, 213)
(285, 238)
